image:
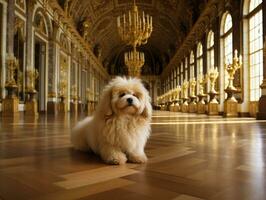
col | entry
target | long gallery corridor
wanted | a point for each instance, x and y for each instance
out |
(191, 157)
(201, 66)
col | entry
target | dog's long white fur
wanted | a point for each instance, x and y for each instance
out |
(115, 135)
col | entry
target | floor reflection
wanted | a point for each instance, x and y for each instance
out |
(194, 155)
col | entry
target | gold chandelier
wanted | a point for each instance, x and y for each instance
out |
(134, 30)
(134, 60)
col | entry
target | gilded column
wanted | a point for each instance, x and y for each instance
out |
(31, 103)
(11, 26)
(3, 23)
(29, 35)
(11, 102)
(73, 88)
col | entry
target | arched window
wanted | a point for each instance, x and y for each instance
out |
(210, 50)
(186, 68)
(191, 64)
(227, 43)
(255, 40)
(199, 60)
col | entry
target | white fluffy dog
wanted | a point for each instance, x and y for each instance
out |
(120, 126)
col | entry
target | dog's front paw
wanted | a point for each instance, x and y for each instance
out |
(116, 159)
(137, 158)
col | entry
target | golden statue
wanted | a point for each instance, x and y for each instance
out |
(184, 107)
(202, 81)
(192, 105)
(213, 103)
(176, 98)
(213, 75)
(192, 85)
(12, 65)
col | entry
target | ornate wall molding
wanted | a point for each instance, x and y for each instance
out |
(66, 24)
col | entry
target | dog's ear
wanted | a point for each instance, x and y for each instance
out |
(147, 111)
(105, 107)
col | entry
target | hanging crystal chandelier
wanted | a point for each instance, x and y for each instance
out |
(134, 60)
(134, 29)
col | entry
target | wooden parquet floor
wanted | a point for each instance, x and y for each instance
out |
(191, 157)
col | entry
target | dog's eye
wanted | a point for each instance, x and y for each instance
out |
(121, 95)
(135, 95)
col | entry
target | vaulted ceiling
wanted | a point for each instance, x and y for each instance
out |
(172, 20)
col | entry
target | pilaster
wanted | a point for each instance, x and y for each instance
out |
(11, 26)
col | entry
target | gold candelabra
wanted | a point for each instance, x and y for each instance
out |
(202, 80)
(176, 98)
(33, 75)
(213, 75)
(134, 60)
(230, 104)
(213, 103)
(231, 70)
(134, 29)
(12, 65)
(192, 85)
(185, 87)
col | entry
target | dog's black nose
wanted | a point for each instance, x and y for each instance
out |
(130, 101)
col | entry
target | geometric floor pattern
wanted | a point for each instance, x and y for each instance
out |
(191, 157)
